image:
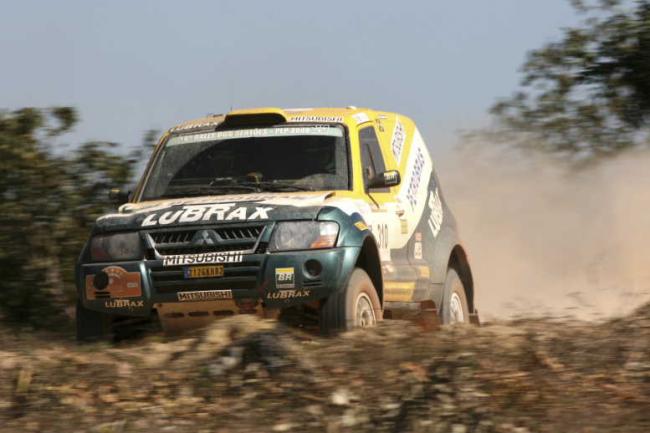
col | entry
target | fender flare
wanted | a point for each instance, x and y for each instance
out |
(366, 257)
(368, 260)
(443, 245)
(364, 252)
(450, 253)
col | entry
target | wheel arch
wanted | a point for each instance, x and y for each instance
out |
(368, 260)
(458, 261)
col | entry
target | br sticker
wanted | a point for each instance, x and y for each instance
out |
(285, 278)
(113, 282)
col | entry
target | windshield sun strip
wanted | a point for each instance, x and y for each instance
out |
(292, 131)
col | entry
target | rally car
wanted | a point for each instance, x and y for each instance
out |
(332, 214)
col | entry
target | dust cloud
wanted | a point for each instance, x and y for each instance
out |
(548, 239)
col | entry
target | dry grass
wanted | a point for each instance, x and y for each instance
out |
(246, 375)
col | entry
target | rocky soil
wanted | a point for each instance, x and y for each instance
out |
(246, 375)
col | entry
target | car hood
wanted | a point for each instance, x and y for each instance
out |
(214, 209)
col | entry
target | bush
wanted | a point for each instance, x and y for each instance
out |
(49, 203)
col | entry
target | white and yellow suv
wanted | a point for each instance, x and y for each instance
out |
(333, 214)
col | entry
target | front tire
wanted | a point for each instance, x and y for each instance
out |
(357, 306)
(454, 304)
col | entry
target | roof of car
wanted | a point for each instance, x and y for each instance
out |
(312, 115)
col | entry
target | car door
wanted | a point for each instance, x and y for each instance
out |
(387, 217)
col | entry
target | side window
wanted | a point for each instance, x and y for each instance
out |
(371, 157)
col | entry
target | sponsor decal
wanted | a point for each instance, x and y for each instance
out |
(397, 142)
(381, 234)
(114, 281)
(379, 122)
(255, 133)
(416, 175)
(285, 278)
(437, 215)
(404, 226)
(206, 212)
(204, 271)
(413, 193)
(397, 291)
(266, 198)
(123, 303)
(289, 294)
(203, 258)
(204, 295)
(361, 225)
(417, 251)
(327, 119)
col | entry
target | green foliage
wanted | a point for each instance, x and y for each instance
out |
(49, 203)
(587, 95)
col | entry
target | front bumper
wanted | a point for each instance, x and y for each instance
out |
(271, 280)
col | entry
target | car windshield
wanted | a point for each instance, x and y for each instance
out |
(299, 158)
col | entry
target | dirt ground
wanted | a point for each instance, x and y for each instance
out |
(247, 375)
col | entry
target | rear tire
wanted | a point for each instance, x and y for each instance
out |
(356, 306)
(92, 325)
(454, 304)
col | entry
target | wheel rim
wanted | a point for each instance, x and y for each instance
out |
(456, 313)
(365, 315)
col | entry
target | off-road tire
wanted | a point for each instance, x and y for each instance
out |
(92, 325)
(346, 309)
(454, 300)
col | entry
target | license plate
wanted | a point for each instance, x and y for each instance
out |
(204, 271)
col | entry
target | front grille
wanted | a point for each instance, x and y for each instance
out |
(237, 276)
(206, 240)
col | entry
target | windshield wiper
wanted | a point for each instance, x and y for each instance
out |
(274, 185)
(228, 180)
(198, 190)
(225, 184)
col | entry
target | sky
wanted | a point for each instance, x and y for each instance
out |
(131, 66)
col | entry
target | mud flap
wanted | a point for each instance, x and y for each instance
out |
(473, 318)
(427, 318)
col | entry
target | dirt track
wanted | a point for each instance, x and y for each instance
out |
(243, 375)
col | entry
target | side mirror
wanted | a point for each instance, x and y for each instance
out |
(118, 196)
(386, 179)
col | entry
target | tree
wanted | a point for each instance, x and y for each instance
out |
(588, 95)
(49, 203)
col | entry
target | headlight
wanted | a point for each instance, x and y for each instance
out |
(304, 235)
(122, 246)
